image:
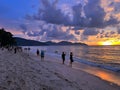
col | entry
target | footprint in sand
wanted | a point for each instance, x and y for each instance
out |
(9, 82)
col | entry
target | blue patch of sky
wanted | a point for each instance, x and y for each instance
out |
(15, 9)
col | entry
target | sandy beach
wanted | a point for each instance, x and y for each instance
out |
(21, 71)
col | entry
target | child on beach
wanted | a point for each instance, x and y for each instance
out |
(71, 58)
(63, 57)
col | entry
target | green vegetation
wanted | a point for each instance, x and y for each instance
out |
(6, 38)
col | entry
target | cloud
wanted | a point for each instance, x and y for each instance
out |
(90, 31)
(89, 16)
(77, 28)
(85, 14)
(33, 33)
(50, 13)
(55, 32)
(47, 31)
(94, 13)
(77, 32)
(118, 30)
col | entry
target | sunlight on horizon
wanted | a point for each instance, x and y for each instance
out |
(110, 43)
(107, 43)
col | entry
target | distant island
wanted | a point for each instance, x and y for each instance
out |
(26, 42)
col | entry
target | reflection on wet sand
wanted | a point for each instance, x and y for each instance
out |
(107, 75)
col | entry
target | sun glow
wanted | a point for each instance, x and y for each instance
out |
(110, 42)
(107, 43)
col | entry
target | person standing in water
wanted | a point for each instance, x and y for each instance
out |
(63, 57)
(71, 58)
(42, 55)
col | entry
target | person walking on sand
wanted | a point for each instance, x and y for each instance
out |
(63, 57)
(42, 55)
(15, 50)
(37, 52)
(71, 58)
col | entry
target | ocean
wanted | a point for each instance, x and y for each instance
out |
(107, 57)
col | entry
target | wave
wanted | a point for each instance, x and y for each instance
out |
(95, 64)
(101, 65)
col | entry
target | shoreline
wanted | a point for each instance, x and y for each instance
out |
(114, 77)
(23, 72)
(104, 74)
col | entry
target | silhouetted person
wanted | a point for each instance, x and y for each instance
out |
(28, 49)
(63, 57)
(15, 50)
(37, 52)
(42, 55)
(71, 58)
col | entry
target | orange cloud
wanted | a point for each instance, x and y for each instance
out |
(116, 0)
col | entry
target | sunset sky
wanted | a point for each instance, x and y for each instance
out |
(94, 22)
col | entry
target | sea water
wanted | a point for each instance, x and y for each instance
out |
(107, 57)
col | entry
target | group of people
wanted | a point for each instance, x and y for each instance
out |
(70, 57)
(40, 53)
(63, 56)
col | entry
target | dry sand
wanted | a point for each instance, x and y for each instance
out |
(22, 72)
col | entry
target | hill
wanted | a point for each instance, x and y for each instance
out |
(25, 42)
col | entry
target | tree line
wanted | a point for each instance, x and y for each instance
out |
(6, 38)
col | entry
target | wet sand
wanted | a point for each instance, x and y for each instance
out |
(107, 75)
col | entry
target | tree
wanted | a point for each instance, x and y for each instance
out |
(6, 38)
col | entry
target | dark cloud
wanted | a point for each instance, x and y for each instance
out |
(77, 32)
(88, 17)
(50, 13)
(57, 33)
(118, 30)
(77, 28)
(101, 36)
(90, 31)
(77, 19)
(102, 32)
(107, 34)
(112, 21)
(49, 32)
(94, 15)
(116, 6)
(112, 32)
(33, 33)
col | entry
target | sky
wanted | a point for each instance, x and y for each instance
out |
(94, 22)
